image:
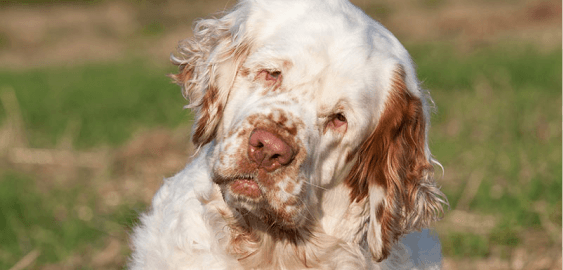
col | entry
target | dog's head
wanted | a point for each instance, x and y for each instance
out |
(297, 97)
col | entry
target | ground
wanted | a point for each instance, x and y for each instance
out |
(90, 125)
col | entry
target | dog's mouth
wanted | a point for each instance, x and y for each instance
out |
(245, 187)
(248, 195)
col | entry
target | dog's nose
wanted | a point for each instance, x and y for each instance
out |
(268, 151)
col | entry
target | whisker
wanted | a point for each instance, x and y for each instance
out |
(314, 185)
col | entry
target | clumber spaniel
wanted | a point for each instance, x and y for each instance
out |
(311, 130)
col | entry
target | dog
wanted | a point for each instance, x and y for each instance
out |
(311, 130)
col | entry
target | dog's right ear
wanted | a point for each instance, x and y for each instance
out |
(208, 64)
(394, 172)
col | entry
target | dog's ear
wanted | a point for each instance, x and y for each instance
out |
(393, 171)
(208, 64)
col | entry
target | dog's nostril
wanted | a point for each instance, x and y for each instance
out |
(268, 151)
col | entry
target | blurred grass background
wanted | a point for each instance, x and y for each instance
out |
(90, 124)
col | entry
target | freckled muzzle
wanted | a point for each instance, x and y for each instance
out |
(258, 167)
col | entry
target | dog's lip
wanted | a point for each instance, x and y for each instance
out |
(226, 179)
(246, 186)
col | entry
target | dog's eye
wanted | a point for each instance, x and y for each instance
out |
(270, 76)
(273, 75)
(338, 123)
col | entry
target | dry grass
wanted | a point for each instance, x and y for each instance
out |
(115, 178)
(126, 177)
(75, 34)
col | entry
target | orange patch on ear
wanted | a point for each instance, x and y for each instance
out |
(205, 114)
(399, 133)
(184, 74)
(392, 157)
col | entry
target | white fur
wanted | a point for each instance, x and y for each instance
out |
(333, 59)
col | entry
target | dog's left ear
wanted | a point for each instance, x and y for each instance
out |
(393, 171)
(208, 65)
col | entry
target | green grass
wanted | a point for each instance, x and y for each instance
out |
(33, 220)
(59, 222)
(108, 102)
(498, 121)
(465, 245)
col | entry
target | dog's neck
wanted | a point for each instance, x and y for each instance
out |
(261, 245)
(343, 218)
